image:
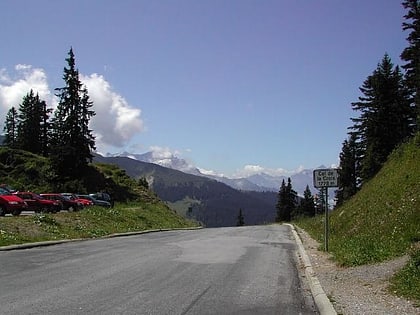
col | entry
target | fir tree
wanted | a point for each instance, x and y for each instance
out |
(286, 202)
(386, 117)
(143, 182)
(32, 127)
(282, 214)
(72, 141)
(320, 200)
(240, 221)
(307, 205)
(10, 128)
(347, 172)
(411, 54)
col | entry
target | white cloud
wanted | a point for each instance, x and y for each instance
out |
(253, 169)
(249, 170)
(170, 158)
(163, 152)
(12, 90)
(210, 172)
(116, 122)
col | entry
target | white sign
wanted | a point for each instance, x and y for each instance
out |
(326, 178)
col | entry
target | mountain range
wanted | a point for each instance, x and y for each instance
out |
(212, 200)
(203, 199)
(257, 182)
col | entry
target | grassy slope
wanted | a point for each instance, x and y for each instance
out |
(89, 223)
(25, 171)
(381, 221)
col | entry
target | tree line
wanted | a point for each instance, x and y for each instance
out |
(388, 112)
(62, 135)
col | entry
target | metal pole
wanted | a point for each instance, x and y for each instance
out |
(326, 220)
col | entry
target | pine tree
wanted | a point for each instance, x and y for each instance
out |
(10, 128)
(386, 117)
(45, 128)
(320, 200)
(240, 221)
(286, 203)
(411, 54)
(281, 207)
(72, 142)
(348, 171)
(307, 205)
(32, 127)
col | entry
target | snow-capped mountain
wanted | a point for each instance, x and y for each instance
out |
(168, 160)
(256, 182)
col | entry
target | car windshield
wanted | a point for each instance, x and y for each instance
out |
(4, 191)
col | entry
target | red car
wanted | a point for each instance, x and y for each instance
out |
(85, 202)
(38, 203)
(10, 203)
(66, 204)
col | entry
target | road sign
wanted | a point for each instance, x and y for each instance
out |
(326, 178)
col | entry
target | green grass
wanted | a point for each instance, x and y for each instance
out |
(89, 223)
(382, 221)
(407, 281)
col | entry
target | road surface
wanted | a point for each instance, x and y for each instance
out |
(243, 270)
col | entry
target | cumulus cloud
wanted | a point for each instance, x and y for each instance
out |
(163, 152)
(171, 158)
(210, 172)
(249, 170)
(116, 121)
(13, 89)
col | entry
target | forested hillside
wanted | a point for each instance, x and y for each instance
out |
(203, 199)
(383, 219)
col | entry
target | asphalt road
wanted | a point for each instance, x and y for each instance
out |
(246, 270)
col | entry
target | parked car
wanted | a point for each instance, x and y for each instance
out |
(66, 204)
(84, 201)
(38, 203)
(8, 188)
(10, 203)
(96, 202)
(103, 196)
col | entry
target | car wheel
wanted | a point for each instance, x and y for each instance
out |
(16, 212)
(2, 211)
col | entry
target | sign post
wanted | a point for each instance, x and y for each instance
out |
(324, 178)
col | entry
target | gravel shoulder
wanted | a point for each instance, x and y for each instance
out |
(357, 290)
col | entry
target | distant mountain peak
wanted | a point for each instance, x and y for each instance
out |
(257, 182)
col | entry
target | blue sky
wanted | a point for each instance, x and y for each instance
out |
(233, 86)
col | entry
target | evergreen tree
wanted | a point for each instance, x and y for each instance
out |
(307, 205)
(282, 214)
(32, 127)
(320, 200)
(292, 196)
(347, 172)
(240, 221)
(72, 141)
(10, 128)
(143, 182)
(45, 128)
(286, 203)
(411, 54)
(386, 117)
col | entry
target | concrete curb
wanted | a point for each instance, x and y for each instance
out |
(324, 305)
(50, 243)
